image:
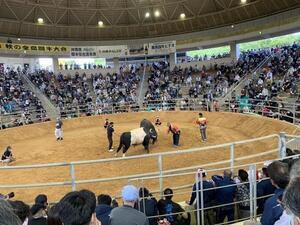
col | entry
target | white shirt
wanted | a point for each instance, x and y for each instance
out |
(285, 219)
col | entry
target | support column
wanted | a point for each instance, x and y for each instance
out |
(116, 64)
(55, 64)
(234, 51)
(172, 60)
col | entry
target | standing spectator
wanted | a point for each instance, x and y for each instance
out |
(126, 214)
(103, 209)
(148, 205)
(110, 131)
(279, 176)
(168, 207)
(208, 197)
(243, 194)
(287, 216)
(39, 211)
(225, 195)
(264, 188)
(174, 129)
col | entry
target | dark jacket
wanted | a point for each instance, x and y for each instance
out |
(208, 196)
(150, 209)
(272, 209)
(224, 195)
(169, 207)
(37, 221)
(39, 218)
(102, 213)
(264, 188)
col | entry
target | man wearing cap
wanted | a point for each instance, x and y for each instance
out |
(126, 214)
(208, 196)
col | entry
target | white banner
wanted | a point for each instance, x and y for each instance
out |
(112, 51)
(162, 48)
(84, 52)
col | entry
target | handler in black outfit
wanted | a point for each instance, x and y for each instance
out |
(110, 131)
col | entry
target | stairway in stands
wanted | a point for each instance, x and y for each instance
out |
(143, 87)
(51, 110)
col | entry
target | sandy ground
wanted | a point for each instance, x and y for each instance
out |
(85, 139)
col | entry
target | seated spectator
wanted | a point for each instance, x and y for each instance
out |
(264, 189)
(8, 196)
(7, 156)
(103, 209)
(7, 215)
(167, 207)
(243, 194)
(224, 196)
(21, 210)
(78, 208)
(148, 205)
(208, 197)
(126, 214)
(39, 211)
(279, 176)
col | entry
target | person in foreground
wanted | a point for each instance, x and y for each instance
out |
(75, 208)
(127, 214)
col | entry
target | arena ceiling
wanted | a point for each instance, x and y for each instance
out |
(127, 19)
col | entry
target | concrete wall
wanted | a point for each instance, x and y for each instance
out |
(207, 64)
(87, 72)
(15, 62)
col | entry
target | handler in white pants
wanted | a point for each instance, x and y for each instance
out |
(58, 129)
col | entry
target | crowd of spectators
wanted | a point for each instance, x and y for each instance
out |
(88, 95)
(203, 58)
(18, 105)
(224, 197)
(281, 74)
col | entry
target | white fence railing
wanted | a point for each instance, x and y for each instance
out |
(277, 151)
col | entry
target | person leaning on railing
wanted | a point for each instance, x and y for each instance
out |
(208, 197)
(225, 195)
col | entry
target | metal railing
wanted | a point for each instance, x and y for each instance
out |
(234, 162)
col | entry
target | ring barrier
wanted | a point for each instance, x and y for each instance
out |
(164, 174)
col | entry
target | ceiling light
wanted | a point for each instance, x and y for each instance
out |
(19, 39)
(100, 23)
(232, 26)
(259, 32)
(243, 1)
(40, 20)
(182, 16)
(156, 13)
(147, 14)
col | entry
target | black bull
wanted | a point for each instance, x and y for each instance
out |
(149, 133)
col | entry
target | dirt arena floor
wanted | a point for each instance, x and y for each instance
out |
(85, 139)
